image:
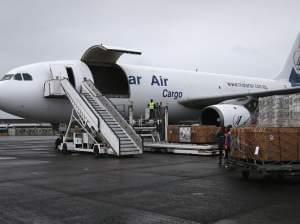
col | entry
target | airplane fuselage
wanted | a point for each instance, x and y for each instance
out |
(26, 98)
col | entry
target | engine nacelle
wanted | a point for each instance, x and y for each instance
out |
(225, 114)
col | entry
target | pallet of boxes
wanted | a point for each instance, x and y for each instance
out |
(273, 146)
(187, 136)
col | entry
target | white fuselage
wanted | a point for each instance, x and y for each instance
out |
(26, 98)
(171, 86)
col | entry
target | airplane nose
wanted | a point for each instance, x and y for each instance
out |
(6, 96)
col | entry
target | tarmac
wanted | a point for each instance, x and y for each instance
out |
(39, 185)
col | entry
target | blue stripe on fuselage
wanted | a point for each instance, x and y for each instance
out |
(294, 78)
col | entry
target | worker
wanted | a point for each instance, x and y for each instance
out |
(227, 143)
(151, 107)
(221, 142)
(160, 110)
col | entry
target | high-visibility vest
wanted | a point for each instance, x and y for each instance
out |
(151, 105)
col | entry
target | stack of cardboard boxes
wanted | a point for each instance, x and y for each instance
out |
(294, 110)
(204, 134)
(173, 133)
(276, 137)
(274, 111)
(266, 144)
(279, 111)
(192, 134)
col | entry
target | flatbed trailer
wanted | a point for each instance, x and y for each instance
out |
(180, 148)
(269, 168)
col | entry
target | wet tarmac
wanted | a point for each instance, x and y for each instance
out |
(39, 185)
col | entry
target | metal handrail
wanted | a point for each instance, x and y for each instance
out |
(99, 115)
(80, 106)
(112, 109)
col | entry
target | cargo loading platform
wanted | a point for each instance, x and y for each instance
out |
(180, 148)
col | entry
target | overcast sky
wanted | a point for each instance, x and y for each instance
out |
(242, 37)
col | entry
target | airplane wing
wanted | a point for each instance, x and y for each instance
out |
(105, 54)
(199, 103)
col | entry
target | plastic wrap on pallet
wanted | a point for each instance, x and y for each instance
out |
(279, 111)
(294, 110)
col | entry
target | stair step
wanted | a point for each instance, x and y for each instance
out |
(133, 147)
(109, 117)
(123, 151)
(125, 146)
(123, 138)
(103, 113)
(128, 146)
(120, 132)
(125, 141)
(111, 122)
(116, 125)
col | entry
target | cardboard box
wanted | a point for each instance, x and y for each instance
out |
(268, 142)
(289, 143)
(173, 134)
(203, 134)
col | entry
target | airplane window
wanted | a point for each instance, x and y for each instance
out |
(27, 77)
(6, 77)
(18, 77)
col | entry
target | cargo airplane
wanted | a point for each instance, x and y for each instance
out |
(190, 95)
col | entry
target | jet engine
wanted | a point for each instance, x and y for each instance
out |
(225, 114)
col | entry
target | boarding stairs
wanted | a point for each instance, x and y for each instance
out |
(102, 118)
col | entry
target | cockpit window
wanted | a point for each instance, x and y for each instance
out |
(27, 77)
(18, 77)
(7, 77)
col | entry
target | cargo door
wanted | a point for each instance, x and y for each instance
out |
(52, 87)
(58, 71)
